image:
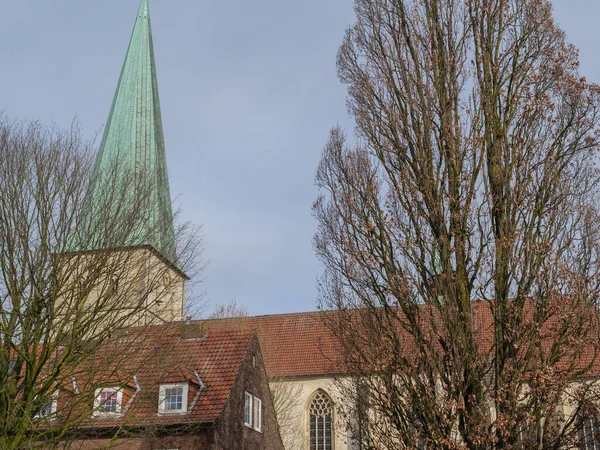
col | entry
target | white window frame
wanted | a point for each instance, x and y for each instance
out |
(248, 405)
(54, 406)
(252, 412)
(98, 412)
(162, 411)
(257, 414)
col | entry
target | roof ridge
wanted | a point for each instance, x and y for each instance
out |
(260, 316)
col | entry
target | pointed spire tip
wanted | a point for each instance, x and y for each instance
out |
(144, 8)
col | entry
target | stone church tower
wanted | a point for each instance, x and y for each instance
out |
(127, 209)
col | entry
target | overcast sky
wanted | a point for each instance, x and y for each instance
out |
(248, 94)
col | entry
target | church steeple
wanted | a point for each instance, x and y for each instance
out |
(133, 137)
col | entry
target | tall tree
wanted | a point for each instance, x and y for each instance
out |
(460, 234)
(67, 285)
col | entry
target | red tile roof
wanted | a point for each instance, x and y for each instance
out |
(292, 345)
(216, 359)
(303, 344)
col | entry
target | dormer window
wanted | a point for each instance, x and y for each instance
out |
(173, 398)
(48, 410)
(108, 402)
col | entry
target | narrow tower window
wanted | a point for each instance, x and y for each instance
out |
(114, 285)
(321, 427)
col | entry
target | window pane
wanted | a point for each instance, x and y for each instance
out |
(173, 398)
(46, 409)
(109, 401)
(589, 434)
(320, 433)
(257, 413)
(321, 428)
(248, 409)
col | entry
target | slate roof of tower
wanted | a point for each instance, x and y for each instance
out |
(132, 145)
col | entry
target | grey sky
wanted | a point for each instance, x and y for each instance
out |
(248, 94)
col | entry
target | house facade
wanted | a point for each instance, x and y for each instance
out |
(178, 390)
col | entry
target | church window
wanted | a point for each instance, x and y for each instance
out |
(418, 440)
(321, 422)
(589, 434)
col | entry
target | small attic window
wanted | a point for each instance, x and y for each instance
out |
(173, 398)
(108, 402)
(48, 409)
(253, 360)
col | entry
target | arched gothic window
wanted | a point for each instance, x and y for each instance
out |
(589, 433)
(321, 422)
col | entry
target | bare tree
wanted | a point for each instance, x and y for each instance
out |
(68, 284)
(287, 396)
(473, 179)
(229, 310)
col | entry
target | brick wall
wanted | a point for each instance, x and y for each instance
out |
(232, 434)
(202, 440)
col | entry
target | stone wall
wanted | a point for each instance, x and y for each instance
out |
(294, 421)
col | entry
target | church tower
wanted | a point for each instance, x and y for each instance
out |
(127, 207)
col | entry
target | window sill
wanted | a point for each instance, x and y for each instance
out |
(37, 418)
(107, 415)
(172, 413)
(250, 427)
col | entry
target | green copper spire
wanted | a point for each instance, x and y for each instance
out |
(131, 164)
